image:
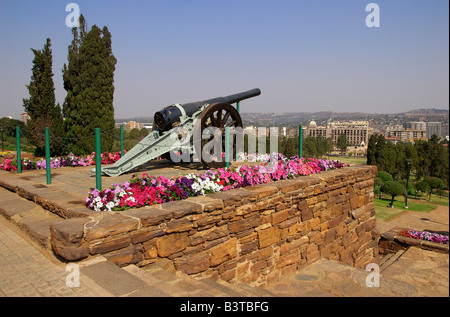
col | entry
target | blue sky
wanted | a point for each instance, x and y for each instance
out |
(312, 55)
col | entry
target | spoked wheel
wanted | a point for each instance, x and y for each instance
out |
(211, 137)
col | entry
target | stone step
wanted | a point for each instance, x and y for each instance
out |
(388, 259)
(31, 218)
(162, 277)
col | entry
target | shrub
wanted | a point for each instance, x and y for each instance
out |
(394, 189)
(384, 176)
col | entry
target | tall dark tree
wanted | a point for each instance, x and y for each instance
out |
(73, 102)
(342, 143)
(380, 151)
(41, 105)
(89, 81)
(371, 150)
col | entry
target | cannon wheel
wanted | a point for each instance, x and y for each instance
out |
(217, 115)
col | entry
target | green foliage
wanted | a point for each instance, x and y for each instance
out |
(377, 190)
(410, 188)
(89, 82)
(423, 187)
(384, 176)
(342, 143)
(428, 158)
(317, 147)
(371, 158)
(9, 126)
(434, 184)
(377, 181)
(393, 188)
(41, 104)
(380, 152)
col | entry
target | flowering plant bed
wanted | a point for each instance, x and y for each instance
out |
(60, 161)
(149, 190)
(425, 235)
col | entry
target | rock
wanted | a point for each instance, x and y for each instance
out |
(223, 252)
(110, 225)
(193, 263)
(244, 224)
(268, 236)
(67, 239)
(172, 243)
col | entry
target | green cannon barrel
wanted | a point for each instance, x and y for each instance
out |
(165, 118)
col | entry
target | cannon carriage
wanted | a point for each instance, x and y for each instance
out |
(187, 132)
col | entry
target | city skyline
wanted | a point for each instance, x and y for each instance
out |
(305, 56)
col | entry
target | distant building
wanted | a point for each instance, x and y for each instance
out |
(356, 132)
(24, 117)
(418, 125)
(392, 139)
(148, 126)
(434, 128)
(130, 125)
(445, 131)
(407, 135)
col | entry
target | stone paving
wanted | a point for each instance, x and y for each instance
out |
(417, 273)
(28, 269)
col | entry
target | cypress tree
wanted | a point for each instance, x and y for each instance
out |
(380, 150)
(89, 82)
(71, 78)
(41, 105)
(371, 150)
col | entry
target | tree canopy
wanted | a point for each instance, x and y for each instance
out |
(40, 105)
(89, 82)
(427, 158)
(393, 188)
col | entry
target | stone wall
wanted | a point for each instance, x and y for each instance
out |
(252, 235)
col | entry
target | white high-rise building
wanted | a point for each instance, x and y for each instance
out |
(434, 128)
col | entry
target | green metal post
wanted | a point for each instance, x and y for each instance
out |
(47, 156)
(300, 141)
(121, 140)
(18, 150)
(238, 108)
(227, 147)
(408, 162)
(98, 160)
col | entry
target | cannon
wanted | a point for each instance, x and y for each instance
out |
(182, 128)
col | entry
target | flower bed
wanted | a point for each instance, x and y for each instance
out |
(61, 161)
(149, 190)
(425, 235)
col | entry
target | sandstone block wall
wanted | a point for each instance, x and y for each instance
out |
(251, 235)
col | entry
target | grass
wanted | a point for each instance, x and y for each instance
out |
(435, 199)
(350, 159)
(383, 213)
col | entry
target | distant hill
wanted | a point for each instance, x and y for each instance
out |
(428, 111)
(296, 117)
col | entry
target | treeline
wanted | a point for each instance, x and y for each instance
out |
(312, 147)
(425, 158)
(88, 80)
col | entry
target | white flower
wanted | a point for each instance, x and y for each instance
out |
(110, 205)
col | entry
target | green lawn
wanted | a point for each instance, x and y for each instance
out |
(383, 213)
(349, 159)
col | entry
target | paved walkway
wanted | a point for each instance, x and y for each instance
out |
(28, 269)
